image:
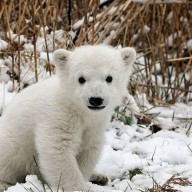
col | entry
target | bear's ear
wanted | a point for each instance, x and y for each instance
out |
(60, 57)
(128, 55)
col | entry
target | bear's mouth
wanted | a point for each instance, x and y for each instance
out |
(96, 108)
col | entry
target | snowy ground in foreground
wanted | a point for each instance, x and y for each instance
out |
(134, 149)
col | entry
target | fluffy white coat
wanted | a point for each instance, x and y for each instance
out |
(49, 129)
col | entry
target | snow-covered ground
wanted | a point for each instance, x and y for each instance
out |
(134, 158)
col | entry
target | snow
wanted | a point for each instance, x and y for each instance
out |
(3, 72)
(43, 56)
(146, 29)
(28, 47)
(171, 38)
(5, 97)
(32, 184)
(189, 44)
(15, 37)
(78, 24)
(3, 45)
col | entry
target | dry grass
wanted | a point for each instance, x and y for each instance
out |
(168, 186)
(148, 27)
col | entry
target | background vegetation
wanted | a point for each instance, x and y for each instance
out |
(161, 33)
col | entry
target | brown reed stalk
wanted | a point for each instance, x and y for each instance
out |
(34, 38)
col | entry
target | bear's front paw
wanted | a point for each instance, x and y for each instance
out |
(99, 179)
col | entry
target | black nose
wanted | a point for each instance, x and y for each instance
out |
(95, 101)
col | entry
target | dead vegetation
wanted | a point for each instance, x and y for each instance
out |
(170, 184)
(160, 32)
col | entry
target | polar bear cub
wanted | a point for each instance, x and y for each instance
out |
(55, 128)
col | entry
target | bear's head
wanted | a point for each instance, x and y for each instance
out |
(95, 77)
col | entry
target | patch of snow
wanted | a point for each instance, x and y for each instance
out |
(182, 188)
(143, 102)
(43, 41)
(170, 16)
(72, 34)
(146, 29)
(28, 47)
(112, 10)
(4, 77)
(156, 68)
(44, 56)
(171, 38)
(16, 37)
(10, 87)
(189, 44)
(8, 60)
(5, 97)
(103, 1)
(78, 24)
(132, 105)
(2, 62)
(32, 184)
(42, 29)
(3, 45)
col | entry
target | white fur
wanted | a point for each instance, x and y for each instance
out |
(51, 123)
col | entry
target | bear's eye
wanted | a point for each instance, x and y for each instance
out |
(109, 79)
(82, 80)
